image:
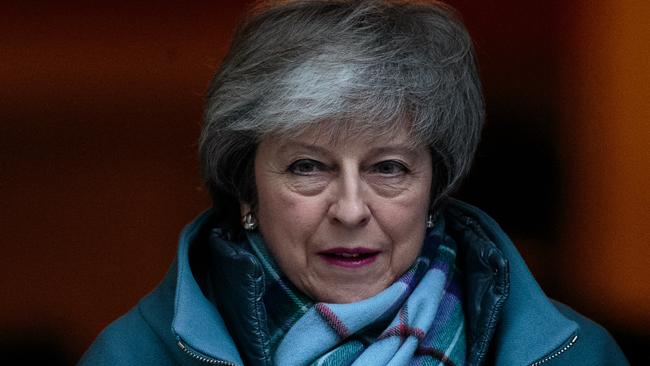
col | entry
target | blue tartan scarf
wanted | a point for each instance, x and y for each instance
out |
(418, 320)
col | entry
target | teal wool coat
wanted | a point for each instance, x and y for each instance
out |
(510, 322)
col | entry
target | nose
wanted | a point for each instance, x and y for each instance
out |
(349, 207)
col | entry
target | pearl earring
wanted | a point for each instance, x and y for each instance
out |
(430, 222)
(249, 221)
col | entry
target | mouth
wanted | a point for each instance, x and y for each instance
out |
(349, 257)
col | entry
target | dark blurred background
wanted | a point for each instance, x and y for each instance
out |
(101, 107)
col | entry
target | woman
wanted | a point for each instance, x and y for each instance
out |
(334, 132)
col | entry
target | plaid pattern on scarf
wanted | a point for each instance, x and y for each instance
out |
(416, 321)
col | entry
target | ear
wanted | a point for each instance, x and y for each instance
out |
(244, 208)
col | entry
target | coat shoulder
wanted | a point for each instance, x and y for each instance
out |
(142, 336)
(593, 346)
(129, 340)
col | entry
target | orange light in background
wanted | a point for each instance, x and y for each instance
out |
(606, 123)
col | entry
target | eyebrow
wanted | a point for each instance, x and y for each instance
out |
(405, 148)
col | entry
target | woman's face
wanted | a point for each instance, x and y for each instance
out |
(343, 218)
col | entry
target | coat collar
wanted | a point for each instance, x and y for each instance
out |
(527, 317)
(529, 326)
(197, 323)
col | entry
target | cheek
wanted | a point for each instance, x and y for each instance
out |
(287, 219)
(404, 221)
(405, 224)
(287, 223)
(407, 229)
(287, 211)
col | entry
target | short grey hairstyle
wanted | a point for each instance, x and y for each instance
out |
(371, 64)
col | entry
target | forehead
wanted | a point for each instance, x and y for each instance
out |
(336, 134)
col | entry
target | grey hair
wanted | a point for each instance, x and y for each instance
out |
(370, 64)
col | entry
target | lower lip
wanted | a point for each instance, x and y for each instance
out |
(349, 262)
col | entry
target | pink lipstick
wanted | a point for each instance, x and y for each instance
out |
(349, 257)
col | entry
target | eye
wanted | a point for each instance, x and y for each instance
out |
(306, 167)
(389, 168)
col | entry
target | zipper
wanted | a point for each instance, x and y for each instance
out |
(559, 352)
(199, 356)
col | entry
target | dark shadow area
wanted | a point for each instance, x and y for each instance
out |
(516, 175)
(634, 346)
(34, 349)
